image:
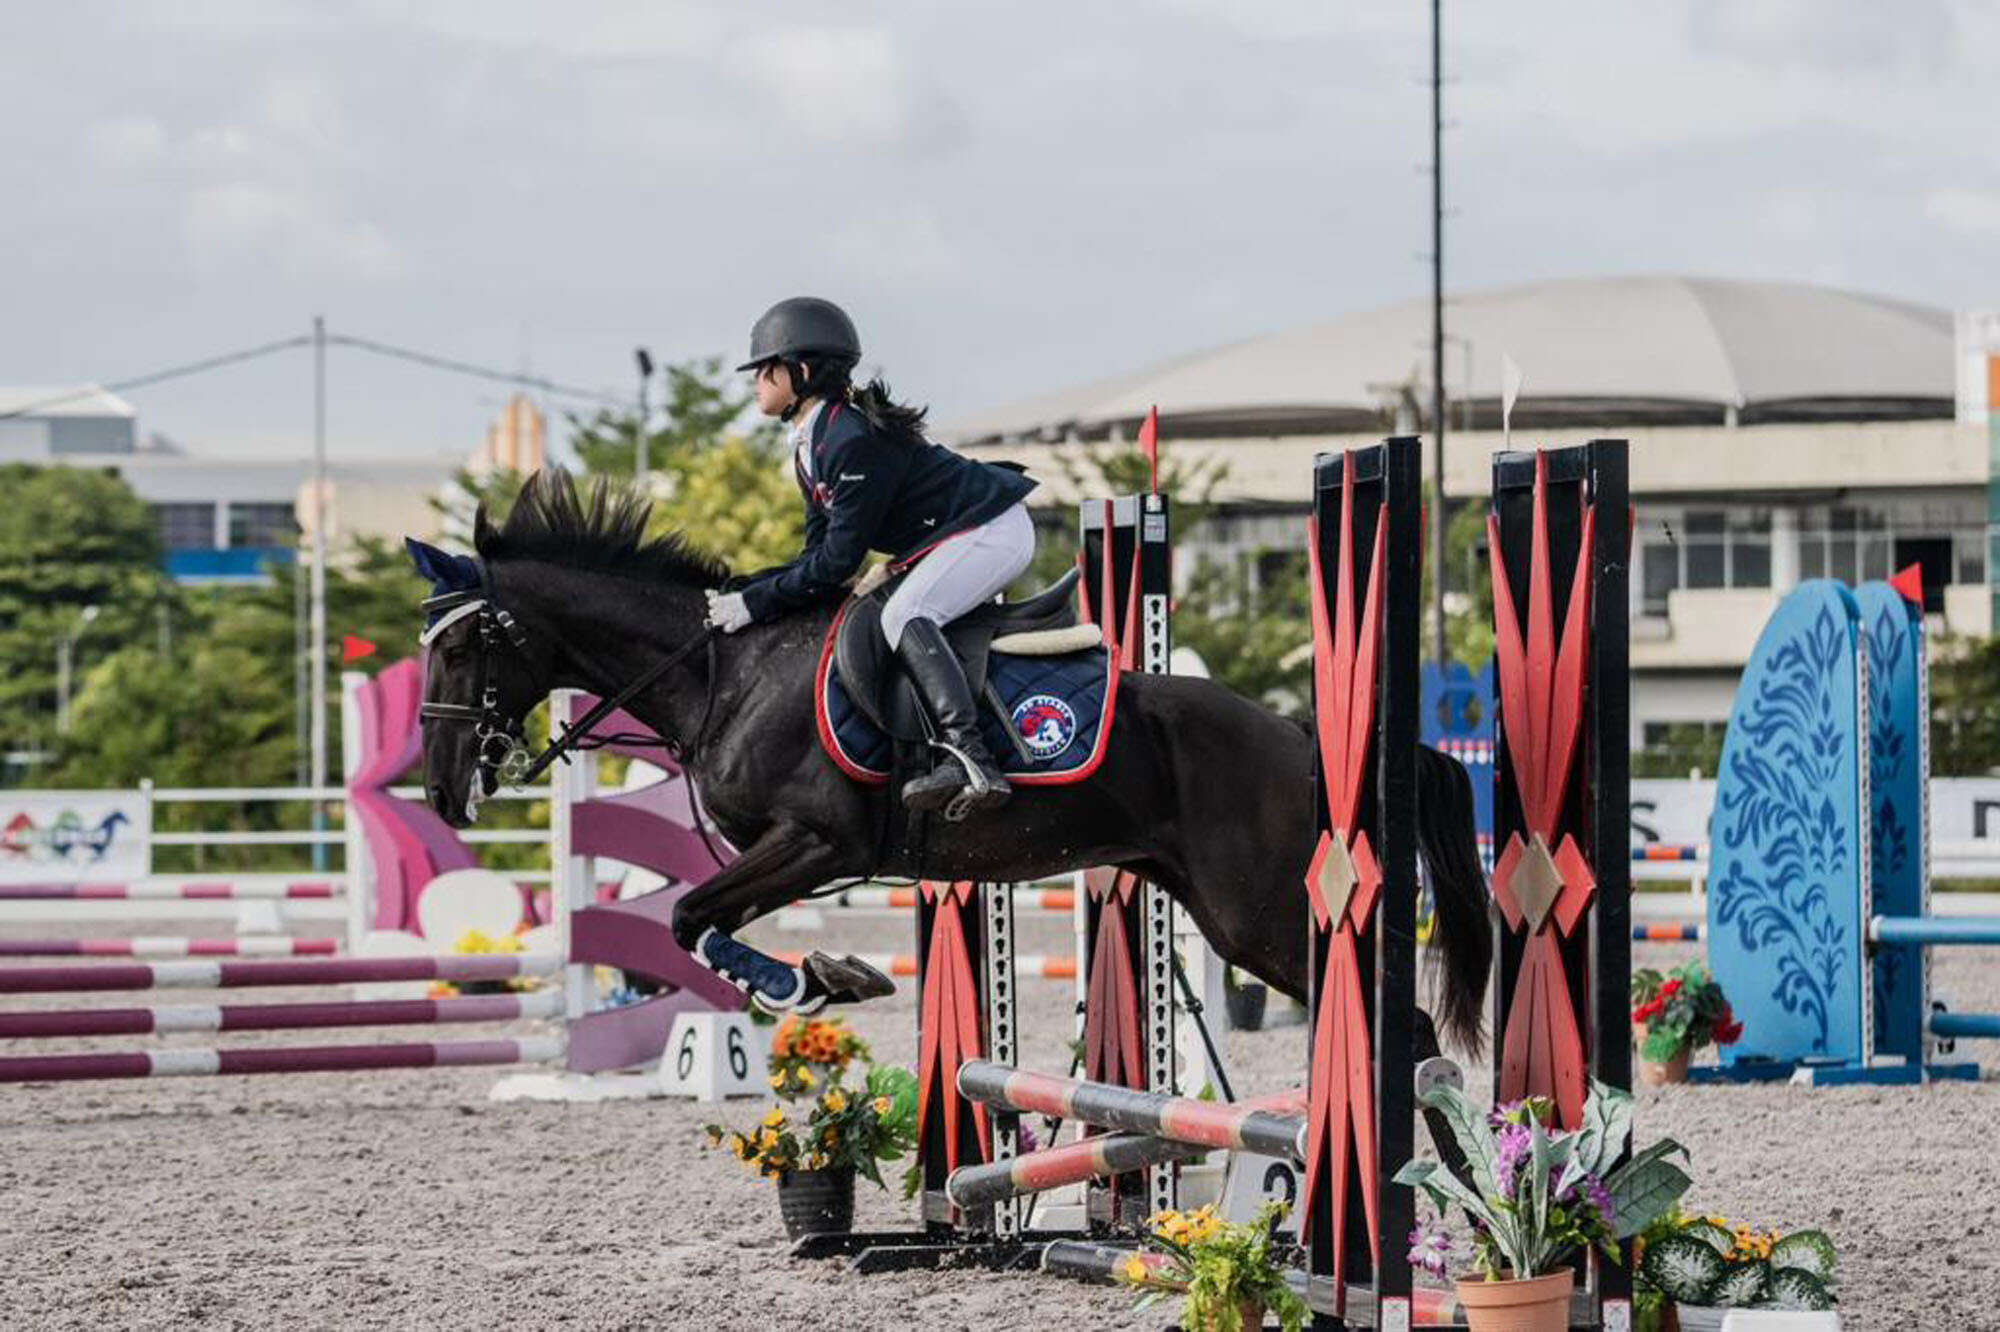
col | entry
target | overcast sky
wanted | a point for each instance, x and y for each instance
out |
(1010, 199)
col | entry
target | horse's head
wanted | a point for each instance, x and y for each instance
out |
(481, 678)
(570, 592)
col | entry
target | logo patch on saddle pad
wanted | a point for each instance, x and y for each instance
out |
(1046, 725)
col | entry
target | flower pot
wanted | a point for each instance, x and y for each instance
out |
(817, 1202)
(1245, 1003)
(1249, 1318)
(1653, 1074)
(1539, 1304)
(1659, 1075)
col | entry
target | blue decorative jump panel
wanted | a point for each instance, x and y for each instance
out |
(1790, 867)
(1897, 704)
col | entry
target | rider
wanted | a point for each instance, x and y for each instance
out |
(871, 481)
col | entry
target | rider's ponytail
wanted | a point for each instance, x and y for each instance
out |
(895, 420)
(831, 378)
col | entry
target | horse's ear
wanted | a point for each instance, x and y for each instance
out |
(430, 561)
(483, 532)
(445, 571)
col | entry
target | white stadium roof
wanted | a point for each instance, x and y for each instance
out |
(1607, 350)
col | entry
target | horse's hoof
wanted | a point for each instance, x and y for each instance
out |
(846, 980)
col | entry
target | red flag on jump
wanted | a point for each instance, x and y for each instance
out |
(1910, 582)
(1149, 444)
(353, 649)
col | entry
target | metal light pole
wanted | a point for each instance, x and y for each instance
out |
(1441, 650)
(65, 664)
(316, 639)
(639, 458)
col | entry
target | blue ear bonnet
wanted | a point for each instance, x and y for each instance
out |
(447, 573)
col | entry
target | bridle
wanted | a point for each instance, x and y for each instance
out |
(504, 756)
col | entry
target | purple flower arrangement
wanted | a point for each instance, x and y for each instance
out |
(1536, 1192)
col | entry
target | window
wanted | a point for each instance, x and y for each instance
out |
(1661, 575)
(1702, 548)
(185, 526)
(262, 525)
(1971, 558)
(1750, 549)
(1858, 543)
(1706, 550)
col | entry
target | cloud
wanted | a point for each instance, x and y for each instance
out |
(128, 141)
(1012, 199)
(1974, 212)
(855, 89)
(226, 223)
(1918, 35)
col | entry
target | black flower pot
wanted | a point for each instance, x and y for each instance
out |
(817, 1202)
(1246, 1005)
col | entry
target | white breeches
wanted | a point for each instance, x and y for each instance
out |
(968, 570)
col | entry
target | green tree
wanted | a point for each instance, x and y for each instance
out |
(705, 407)
(726, 484)
(220, 715)
(1965, 722)
(70, 538)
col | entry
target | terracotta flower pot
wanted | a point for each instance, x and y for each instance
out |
(1659, 1075)
(817, 1202)
(1656, 1074)
(1539, 1304)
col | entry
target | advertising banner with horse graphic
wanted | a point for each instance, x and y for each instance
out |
(75, 836)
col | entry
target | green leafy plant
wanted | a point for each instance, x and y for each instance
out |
(1222, 1268)
(1684, 1009)
(843, 1128)
(1704, 1260)
(1536, 1194)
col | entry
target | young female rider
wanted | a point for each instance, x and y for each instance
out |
(871, 481)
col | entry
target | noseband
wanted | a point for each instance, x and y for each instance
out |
(504, 756)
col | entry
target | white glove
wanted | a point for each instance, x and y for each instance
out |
(728, 611)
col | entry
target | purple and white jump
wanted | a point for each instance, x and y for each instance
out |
(290, 1059)
(304, 971)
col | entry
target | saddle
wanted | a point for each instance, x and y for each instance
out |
(1045, 624)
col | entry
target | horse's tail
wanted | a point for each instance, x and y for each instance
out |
(1450, 847)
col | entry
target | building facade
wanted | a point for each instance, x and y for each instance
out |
(221, 519)
(1778, 433)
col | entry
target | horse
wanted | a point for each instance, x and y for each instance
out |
(1200, 791)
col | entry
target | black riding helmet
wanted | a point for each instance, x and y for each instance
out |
(801, 327)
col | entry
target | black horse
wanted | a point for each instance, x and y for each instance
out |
(1200, 791)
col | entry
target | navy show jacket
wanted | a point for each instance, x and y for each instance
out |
(869, 492)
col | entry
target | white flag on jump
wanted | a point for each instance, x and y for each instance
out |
(1511, 379)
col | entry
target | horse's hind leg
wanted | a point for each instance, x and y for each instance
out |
(777, 869)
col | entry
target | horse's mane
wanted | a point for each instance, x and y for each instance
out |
(604, 530)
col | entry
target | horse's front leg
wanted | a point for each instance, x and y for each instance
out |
(776, 870)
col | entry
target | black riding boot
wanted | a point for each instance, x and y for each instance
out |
(966, 777)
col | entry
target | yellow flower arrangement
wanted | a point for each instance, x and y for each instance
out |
(1219, 1266)
(839, 1130)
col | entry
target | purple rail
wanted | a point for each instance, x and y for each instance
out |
(286, 1059)
(165, 946)
(279, 1017)
(220, 891)
(305, 971)
(1198, 1123)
